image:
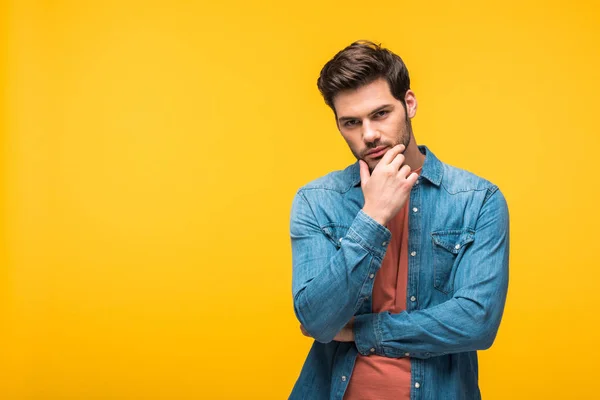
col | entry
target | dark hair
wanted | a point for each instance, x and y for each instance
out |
(360, 64)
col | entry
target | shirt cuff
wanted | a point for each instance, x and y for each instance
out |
(370, 234)
(367, 334)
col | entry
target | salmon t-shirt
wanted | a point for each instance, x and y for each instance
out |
(378, 377)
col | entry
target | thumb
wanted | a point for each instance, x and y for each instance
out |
(364, 173)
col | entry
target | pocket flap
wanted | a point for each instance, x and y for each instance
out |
(335, 233)
(453, 240)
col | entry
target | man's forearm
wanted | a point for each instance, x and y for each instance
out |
(470, 319)
(457, 325)
(331, 283)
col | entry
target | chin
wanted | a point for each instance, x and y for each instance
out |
(373, 165)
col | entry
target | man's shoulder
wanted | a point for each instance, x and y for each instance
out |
(456, 180)
(337, 181)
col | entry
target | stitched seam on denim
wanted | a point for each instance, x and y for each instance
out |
(334, 238)
(437, 285)
(358, 240)
(484, 204)
(335, 225)
(462, 190)
(309, 207)
(366, 279)
(380, 253)
(464, 239)
(491, 191)
(352, 234)
(442, 232)
(378, 335)
(305, 188)
(369, 220)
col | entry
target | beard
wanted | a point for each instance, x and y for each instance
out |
(403, 136)
(407, 135)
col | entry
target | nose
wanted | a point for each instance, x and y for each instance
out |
(370, 134)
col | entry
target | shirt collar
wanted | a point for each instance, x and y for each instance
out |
(432, 168)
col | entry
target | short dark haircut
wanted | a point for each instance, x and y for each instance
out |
(360, 64)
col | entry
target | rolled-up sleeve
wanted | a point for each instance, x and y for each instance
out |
(329, 282)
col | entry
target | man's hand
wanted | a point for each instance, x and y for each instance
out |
(388, 188)
(345, 335)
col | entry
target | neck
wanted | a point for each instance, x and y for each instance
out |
(412, 156)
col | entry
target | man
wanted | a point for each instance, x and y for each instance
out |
(400, 261)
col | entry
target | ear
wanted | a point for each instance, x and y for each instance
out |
(411, 103)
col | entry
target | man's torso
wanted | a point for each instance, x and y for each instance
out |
(442, 215)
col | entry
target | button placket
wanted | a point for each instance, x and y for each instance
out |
(414, 244)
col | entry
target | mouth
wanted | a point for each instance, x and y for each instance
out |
(377, 152)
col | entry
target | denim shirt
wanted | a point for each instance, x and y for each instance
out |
(458, 247)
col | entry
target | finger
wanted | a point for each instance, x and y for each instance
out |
(404, 171)
(412, 178)
(364, 173)
(391, 153)
(397, 161)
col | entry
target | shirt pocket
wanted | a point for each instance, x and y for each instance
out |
(448, 248)
(335, 233)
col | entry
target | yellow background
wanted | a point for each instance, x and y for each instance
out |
(150, 152)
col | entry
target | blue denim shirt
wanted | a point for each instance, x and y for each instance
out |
(458, 246)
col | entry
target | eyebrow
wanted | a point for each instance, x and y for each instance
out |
(342, 119)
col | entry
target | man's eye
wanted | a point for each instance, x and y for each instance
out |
(350, 123)
(382, 113)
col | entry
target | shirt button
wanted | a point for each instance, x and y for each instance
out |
(413, 298)
(384, 244)
(407, 354)
(344, 378)
(341, 240)
(457, 246)
(415, 209)
(413, 253)
(372, 350)
(372, 276)
(417, 385)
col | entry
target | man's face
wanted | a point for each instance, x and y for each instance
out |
(372, 121)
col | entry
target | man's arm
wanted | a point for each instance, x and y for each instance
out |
(467, 322)
(328, 283)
